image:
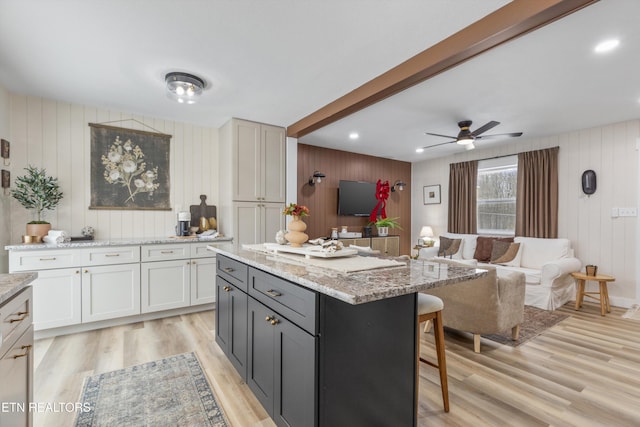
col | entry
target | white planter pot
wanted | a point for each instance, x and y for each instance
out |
(383, 231)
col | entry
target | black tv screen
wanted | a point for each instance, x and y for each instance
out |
(357, 198)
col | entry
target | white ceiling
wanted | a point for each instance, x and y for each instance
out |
(277, 61)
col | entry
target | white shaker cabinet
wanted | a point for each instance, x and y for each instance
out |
(257, 222)
(110, 291)
(259, 162)
(253, 163)
(57, 298)
(177, 275)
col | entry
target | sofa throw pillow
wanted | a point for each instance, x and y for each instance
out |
(484, 246)
(505, 253)
(449, 247)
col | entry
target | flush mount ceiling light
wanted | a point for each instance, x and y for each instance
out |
(184, 88)
(606, 46)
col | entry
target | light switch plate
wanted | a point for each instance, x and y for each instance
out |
(614, 213)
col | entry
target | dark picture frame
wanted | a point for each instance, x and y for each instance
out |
(129, 169)
(431, 194)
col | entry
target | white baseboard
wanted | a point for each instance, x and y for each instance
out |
(83, 327)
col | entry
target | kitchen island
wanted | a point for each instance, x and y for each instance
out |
(322, 347)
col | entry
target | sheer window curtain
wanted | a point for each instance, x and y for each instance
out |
(537, 194)
(463, 181)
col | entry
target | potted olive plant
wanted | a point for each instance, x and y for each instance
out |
(384, 224)
(37, 192)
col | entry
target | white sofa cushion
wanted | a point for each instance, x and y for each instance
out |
(536, 251)
(469, 242)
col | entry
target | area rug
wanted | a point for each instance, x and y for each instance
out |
(632, 313)
(169, 392)
(535, 322)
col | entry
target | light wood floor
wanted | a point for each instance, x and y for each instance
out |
(584, 371)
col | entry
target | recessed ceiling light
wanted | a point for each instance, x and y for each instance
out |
(606, 46)
(354, 135)
(419, 150)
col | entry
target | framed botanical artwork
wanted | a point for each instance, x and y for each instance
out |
(431, 194)
(129, 169)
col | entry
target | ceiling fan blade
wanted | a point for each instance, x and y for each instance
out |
(437, 145)
(437, 134)
(512, 135)
(484, 128)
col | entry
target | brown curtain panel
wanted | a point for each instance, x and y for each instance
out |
(537, 195)
(463, 182)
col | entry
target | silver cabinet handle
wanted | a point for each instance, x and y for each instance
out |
(229, 269)
(166, 252)
(48, 259)
(111, 255)
(274, 293)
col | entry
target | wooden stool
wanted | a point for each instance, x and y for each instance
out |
(430, 309)
(602, 294)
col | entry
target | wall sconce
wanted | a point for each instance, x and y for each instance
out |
(316, 177)
(399, 185)
(4, 151)
(426, 234)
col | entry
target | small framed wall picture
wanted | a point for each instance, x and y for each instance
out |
(431, 194)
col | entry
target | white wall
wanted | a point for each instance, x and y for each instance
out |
(5, 217)
(609, 243)
(55, 135)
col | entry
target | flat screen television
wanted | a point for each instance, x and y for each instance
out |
(356, 198)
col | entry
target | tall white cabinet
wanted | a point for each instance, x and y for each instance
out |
(252, 162)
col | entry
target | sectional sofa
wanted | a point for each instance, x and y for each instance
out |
(546, 263)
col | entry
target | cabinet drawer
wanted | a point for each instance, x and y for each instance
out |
(15, 318)
(290, 300)
(199, 250)
(233, 271)
(42, 260)
(111, 255)
(165, 252)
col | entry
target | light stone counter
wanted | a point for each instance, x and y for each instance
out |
(11, 284)
(358, 287)
(114, 242)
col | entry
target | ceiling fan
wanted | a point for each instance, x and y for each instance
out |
(466, 137)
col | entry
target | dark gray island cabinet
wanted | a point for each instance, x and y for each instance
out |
(311, 357)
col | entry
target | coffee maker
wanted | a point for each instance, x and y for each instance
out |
(184, 223)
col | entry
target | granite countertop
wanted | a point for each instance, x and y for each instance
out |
(114, 242)
(11, 284)
(357, 287)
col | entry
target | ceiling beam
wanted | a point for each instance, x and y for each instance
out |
(510, 21)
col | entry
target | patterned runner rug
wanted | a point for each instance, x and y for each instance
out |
(169, 392)
(536, 321)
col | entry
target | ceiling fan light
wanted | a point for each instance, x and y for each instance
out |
(465, 140)
(469, 146)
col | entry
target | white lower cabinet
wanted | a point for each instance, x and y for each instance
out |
(203, 280)
(57, 298)
(165, 285)
(174, 283)
(91, 284)
(110, 291)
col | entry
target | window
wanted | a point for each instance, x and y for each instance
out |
(496, 198)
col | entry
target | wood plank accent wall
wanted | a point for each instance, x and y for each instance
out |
(322, 199)
(55, 135)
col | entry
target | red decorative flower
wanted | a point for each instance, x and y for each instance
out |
(296, 210)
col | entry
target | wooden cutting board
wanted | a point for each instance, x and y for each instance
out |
(202, 210)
